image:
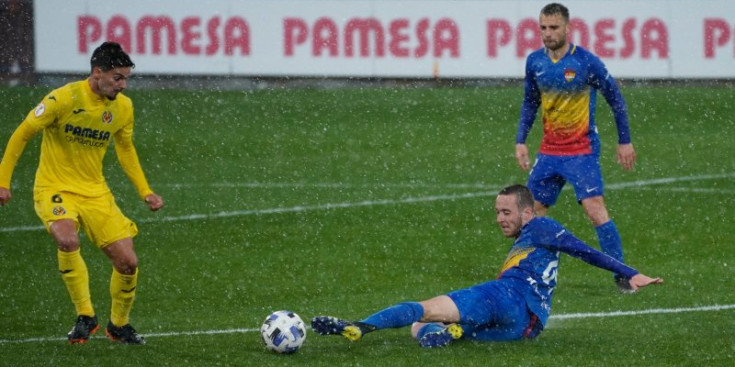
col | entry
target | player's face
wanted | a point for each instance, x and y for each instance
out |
(508, 215)
(553, 31)
(110, 83)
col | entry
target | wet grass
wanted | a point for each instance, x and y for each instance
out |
(345, 201)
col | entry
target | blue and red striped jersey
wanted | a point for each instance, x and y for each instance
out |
(565, 89)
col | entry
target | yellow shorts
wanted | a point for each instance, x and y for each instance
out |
(101, 218)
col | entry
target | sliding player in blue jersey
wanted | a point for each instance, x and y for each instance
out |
(514, 306)
(563, 79)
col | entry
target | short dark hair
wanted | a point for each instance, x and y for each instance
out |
(522, 194)
(556, 8)
(110, 55)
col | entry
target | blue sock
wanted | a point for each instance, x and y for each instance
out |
(402, 314)
(610, 242)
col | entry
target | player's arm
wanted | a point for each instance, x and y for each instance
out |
(14, 149)
(529, 108)
(605, 83)
(569, 244)
(128, 158)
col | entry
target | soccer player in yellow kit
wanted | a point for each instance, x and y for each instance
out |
(79, 120)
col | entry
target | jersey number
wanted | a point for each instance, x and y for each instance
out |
(550, 272)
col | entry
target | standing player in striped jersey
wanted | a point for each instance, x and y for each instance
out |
(514, 306)
(563, 79)
(79, 120)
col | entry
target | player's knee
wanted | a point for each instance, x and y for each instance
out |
(65, 235)
(67, 243)
(127, 265)
(596, 210)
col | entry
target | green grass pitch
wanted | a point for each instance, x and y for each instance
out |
(345, 201)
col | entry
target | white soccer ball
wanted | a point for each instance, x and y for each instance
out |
(283, 332)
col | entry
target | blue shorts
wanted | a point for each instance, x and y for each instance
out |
(550, 173)
(493, 311)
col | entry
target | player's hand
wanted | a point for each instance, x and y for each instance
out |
(4, 195)
(626, 156)
(640, 280)
(522, 156)
(154, 202)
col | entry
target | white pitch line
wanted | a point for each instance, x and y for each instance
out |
(655, 311)
(329, 206)
(280, 185)
(204, 332)
(668, 180)
(345, 205)
(698, 190)
(417, 185)
(642, 312)
(295, 209)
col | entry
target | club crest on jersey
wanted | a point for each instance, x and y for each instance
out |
(59, 210)
(40, 109)
(569, 75)
(107, 117)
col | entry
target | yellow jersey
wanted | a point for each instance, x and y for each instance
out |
(78, 126)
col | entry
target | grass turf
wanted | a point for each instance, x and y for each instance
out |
(345, 201)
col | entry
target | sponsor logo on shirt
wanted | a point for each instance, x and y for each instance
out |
(86, 135)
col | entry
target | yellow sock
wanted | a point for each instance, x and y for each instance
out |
(76, 278)
(122, 292)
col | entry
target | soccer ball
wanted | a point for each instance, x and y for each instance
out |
(283, 332)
